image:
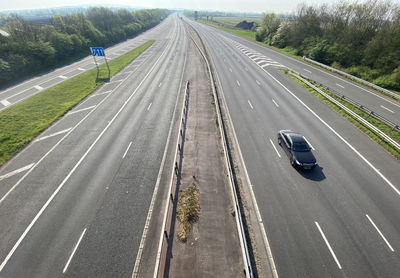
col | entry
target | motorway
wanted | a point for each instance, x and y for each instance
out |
(28, 88)
(266, 58)
(74, 202)
(343, 218)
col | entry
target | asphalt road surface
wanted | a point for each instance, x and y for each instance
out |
(28, 88)
(343, 218)
(74, 202)
(267, 57)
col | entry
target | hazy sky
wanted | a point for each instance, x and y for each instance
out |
(284, 6)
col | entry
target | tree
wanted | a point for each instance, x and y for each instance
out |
(269, 26)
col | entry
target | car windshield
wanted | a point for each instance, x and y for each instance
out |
(301, 147)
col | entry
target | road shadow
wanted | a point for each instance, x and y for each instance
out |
(315, 174)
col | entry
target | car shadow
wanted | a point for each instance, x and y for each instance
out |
(315, 174)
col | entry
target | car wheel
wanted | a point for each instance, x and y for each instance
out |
(279, 141)
(292, 161)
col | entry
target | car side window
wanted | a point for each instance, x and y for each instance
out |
(287, 140)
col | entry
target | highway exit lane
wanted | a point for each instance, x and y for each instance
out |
(28, 88)
(361, 94)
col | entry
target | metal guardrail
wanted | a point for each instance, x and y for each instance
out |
(177, 167)
(239, 222)
(376, 87)
(393, 125)
(361, 119)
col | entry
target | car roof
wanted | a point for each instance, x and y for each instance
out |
(295, 137)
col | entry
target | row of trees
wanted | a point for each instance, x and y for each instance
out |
(31, 48)
(362, 38)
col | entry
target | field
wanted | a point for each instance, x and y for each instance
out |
(232, 21)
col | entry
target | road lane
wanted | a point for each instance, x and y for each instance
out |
(105, 194)
(26, 89)
(337, 194)
(355, 91)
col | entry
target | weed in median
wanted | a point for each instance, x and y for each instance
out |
(188, 210)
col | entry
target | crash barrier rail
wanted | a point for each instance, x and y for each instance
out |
(393, 125)
(342, 106)
(165, 237)
(239, 222)
(376, 87)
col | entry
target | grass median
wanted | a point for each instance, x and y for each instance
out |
(22, 122)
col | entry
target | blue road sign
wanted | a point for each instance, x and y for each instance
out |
(97, 51)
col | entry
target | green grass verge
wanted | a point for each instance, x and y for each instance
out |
(246, 34)
(22, 122)
(395, 135)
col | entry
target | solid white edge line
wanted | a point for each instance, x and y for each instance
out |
(250, 186)
(309, 143)
(273, 145)
(155, 192)
(251, 106)
(314, 67)
(329, 246)
(276, 104)
(71, 172)
(387, 109)
(73, 251)
(380, 233)
(148, 108)
(127, 149)
(22, 169)
(53, 134)
(338, 135)
(58, 143)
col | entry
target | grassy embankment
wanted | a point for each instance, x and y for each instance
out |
(395, 135)
(22, 122)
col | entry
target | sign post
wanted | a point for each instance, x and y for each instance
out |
(99, 51)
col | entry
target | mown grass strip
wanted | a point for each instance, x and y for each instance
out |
(377, 123)
(22, 122)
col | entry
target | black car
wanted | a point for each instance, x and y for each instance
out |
(297, 149)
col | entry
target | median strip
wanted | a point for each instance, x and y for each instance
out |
(22, 122)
